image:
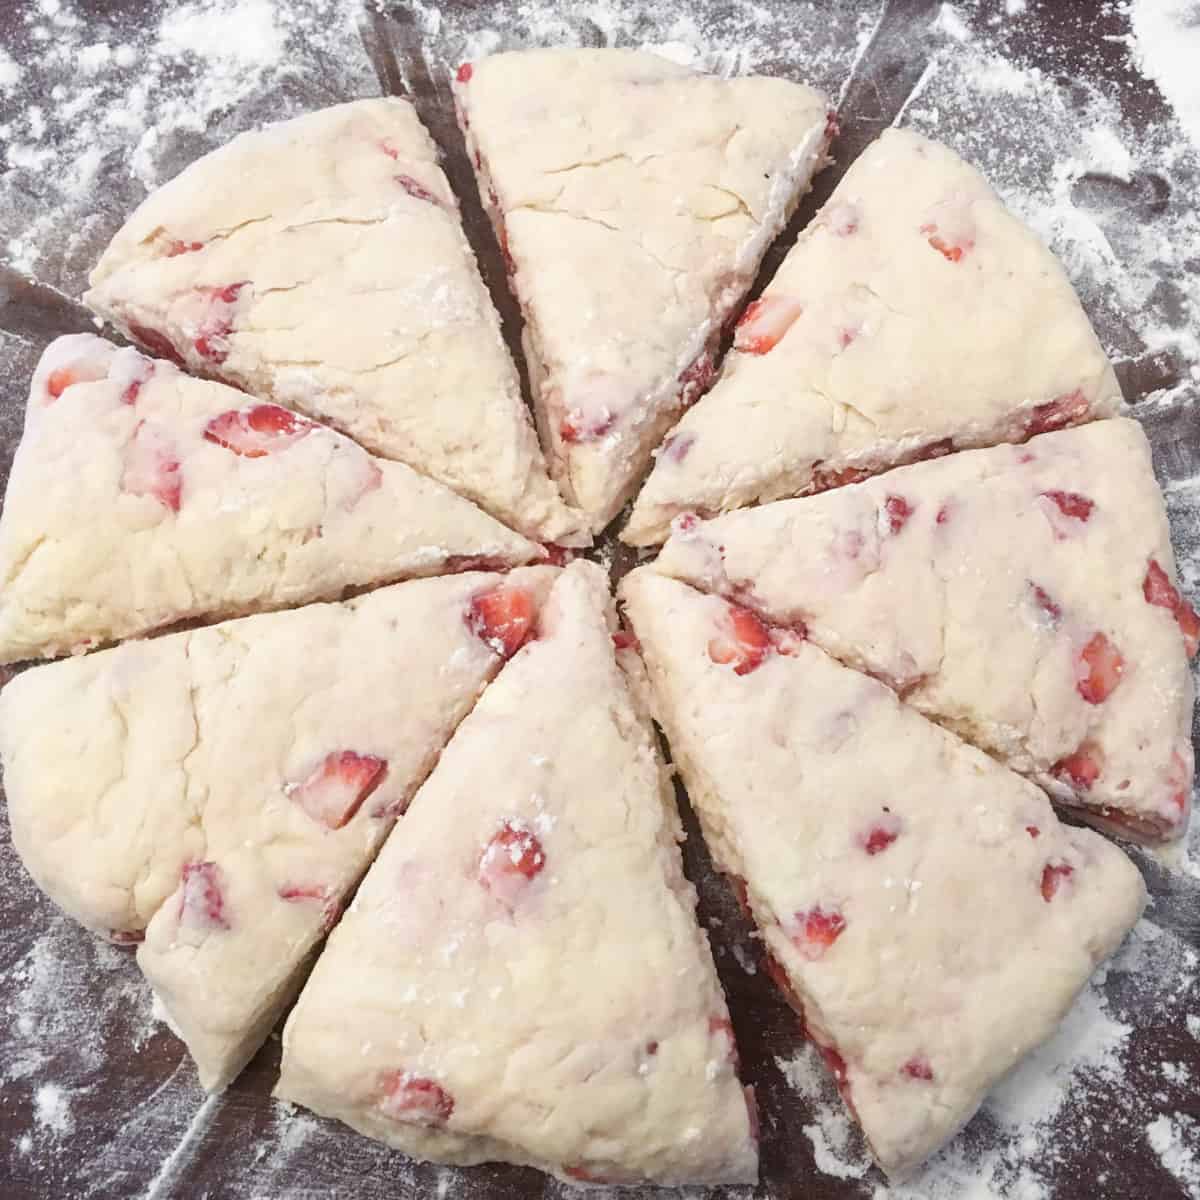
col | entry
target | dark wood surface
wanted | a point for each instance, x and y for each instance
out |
(97, 1100)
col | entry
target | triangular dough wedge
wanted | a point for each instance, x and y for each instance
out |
(1024, 596)
(319, 263)
(634, 200)
(914, 316)
(140, 497)
(220, 792)
(921, 905)
(521, 976)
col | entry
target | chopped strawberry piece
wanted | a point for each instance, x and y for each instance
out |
(577, 428)
(299, 893)
(814, 931)
(881, 834)
(742, 893)
(154, 341)
(1161, 592)
(898, 511)
(1082, 767)
(175, 247)
(1054, 875)
(836, 1064)
(503, 618)
(847, 335)
(676, 447)
(950, 253)
(943, 514)
(697, 379)
(1033, 831)
(832, 128)
(212, 341)
(62, 378)
(624, 640)
(152, 467)
(752, 1112)
(745, 646)
(557, 556)
(1051, 610)
(825, 478)
(134, 388)
(464, 73)
(413, 1099)
(258, 431)
(918, 1068)
(337, 786)
(1179, 779)
(764, 323)
(414, 189)
(510, 861)
(1057, 413)
(1100, 669)
(201, 900)
(938, 449)
(1071, 504)
(389, 148)
(685, 523)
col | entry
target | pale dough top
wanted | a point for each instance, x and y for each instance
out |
(521, 976)
(1008, 593)
(140, 497)
(634, 199)
(320, 263)
(227, 787)
(915, 314)
(933, 917)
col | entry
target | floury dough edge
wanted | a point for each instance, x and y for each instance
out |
(563, 1012)
(633, 220)
(855, 358)
(233, 267)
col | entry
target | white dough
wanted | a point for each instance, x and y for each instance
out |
(932, 918)
(223, 790)
(989, 589)
(914, 315)
(319, 263)
(140, 497)
(521, 976)
(634, 199)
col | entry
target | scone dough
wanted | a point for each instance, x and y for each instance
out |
(921, 905)
(521, 976)
(915, 315)
(220, 792)
(140, 497)
(1024, 596)
(634, 200)
(319, 263)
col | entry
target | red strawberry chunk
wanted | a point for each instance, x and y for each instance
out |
(1033, 831)
(576, 427)
(1179, 779)
(416, 190)
(414, 1099)
(814, 931)
(84, 371)
(943, 514)
(1158, 590)
(745, 646)
(175, 247)
(949, 249)
(1071, 504)
(152, 467)
(337, 786)
(898, 511)
(624, 640)
(764, 323)
(1046, 606)
(1054, 875)
(510, 861)
(752, 1113)
(464, 73)
(503, 618)
(1082, 767)
(1057, 413)
(258, 431)
(881, 834)
(302, 892)
(825, 478)
(154, 341)
(212, 341)
(938, 449)
(836, 1064)
(696, 379)
(1100, 669)
(134, 388)
(918, 1068)
(202, 900)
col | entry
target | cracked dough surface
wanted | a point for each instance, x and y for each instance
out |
(123, 514)
(634, 199)
(550, 1001)
(132, 770)
(914, 312)
(1009, 562)
(319, 263)
(909, 908)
